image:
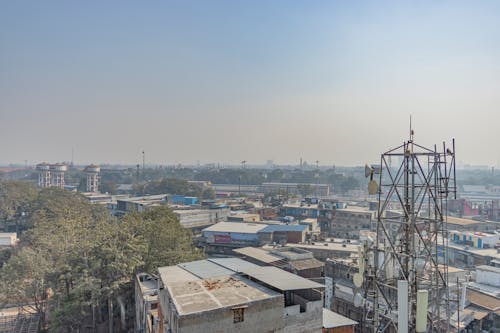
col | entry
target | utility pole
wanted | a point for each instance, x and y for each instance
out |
(143, 165)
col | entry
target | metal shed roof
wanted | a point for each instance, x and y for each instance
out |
(237, 227)
(234, 264)
(280, 279)
(205, 269)
(285, 228)
(259, 254)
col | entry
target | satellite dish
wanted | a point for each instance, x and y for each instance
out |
(358, 300)
(357, 279)
(372, 187)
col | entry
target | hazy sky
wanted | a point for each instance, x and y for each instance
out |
(223, 81)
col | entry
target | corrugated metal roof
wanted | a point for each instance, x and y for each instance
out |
(285, 228)
(237, 227)
(259, 254)
(205, 269)
(333, 320)
(280, 279)
(234, 264)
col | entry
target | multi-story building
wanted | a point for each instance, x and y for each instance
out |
(146, 303)
(347, 222)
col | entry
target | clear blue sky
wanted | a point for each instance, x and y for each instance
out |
(223, 81)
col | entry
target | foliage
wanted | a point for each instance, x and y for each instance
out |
(75, 257)
(166, 241)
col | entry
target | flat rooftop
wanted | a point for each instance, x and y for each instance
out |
(461, 221)
(191, 294)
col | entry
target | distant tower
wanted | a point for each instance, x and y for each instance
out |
(57, 172)
(43, 174)
(92, 171)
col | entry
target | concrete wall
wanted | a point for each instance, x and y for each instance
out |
(310, 321)
(262, 316)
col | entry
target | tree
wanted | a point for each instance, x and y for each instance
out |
(23, 281)
(16, 201)
(166, 242)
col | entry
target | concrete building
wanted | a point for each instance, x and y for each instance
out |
(461, 224)
(232, 295)
(347, 222)
(244, 218)
(300, 211)
(223, 237)
(198, 219)
(8, 239)
(322, 190)
(478, 240)
(488, 275)
(324, 250)
(139, 204)
(92, 175)
(146, 303)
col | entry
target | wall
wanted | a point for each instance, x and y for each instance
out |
(310, 321)
(262, 316)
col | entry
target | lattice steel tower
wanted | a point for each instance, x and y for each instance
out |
(406, 266)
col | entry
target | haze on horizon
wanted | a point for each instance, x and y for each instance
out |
(225, 81)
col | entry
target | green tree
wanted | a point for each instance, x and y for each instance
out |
(166, 242)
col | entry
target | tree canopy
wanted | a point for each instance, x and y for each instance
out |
(75, 258)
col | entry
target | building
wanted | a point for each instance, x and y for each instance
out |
(233, 295)
(139, 204)
(347, 222)
(291, 259)
(461, 224)
(322, 190)
(488, 275)
(244, 218)
(198, 219)
(324, 250)
(223, 237)
(146, 303)
(8, 239)
(283, 233)
(478, 240)
(300, 211)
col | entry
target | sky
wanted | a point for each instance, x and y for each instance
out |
(225, 81)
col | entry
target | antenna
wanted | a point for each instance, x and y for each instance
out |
(412, 133)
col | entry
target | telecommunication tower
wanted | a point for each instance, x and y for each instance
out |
(404, 270)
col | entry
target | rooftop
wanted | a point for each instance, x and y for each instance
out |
(208, 294)
(488, 268)
(461, 221)
(329, 246)
(280, 279)
(237, 227)
(482, 300)
(285, 228)
(333, 320)
(259, 254)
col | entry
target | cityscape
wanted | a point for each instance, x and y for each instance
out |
(229, 166)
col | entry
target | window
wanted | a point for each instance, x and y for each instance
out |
(238, 315)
